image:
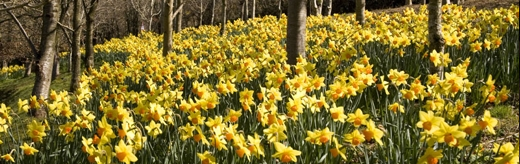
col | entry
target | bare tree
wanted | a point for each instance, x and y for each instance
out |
(279, 9)
(329, 7)
(45, 58)
(76, 54)
(167, 24)
(224, 11)
(296, 20)
(316, 6)
(408, 2)
(90, 10)
(253, 9)
(146, 10)
(360, 11)
(178, 19)
(435, 33)
(212, 19)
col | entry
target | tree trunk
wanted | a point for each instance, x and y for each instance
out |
(178, 28)
(89, 44)
(201, 13)
(55, 67)
(212, 12)
(445, 2)
(246, 4)
(223, 25)
(4, 64)
(316, 7)
(296, 20)
(253, 9)
(313, 7)
(424, 2)
(42, 80)
(329, 8)
(360, 11)
(76, 54)
(167, 26)
(435, 34)
(28, 68)
(279, 9)
(319, 10)
(408, 2)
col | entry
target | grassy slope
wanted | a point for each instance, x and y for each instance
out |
(13, 89)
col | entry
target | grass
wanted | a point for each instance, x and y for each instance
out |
(11, 90)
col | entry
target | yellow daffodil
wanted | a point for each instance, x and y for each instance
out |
(448, 134)
(154, 129)
(36, 131)
(358, 118)
(355, 138)
(430, 156)
(371, 132)
(488, 123)
(124, 153)
(337, 113)
(7, 158)
(28, 150)
(206, 158)
(285, 154)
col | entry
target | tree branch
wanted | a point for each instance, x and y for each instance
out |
(66, 27)
(178, 10)
(13, 7)
(31, 44)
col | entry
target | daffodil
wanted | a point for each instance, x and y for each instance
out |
(430, 156)
(337, 113)
(448, 134)
(7, 158)
(355, 138)
(206, 158)
(275, 133)
(124, 153)
(28, 150)
(36, 131)
(285, 154)
(428, 121)
(371, 132)
(154, 129)
(487, 122)
(255, 145)
(319, 136)
(337, 149)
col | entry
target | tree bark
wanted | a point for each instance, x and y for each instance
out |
(329, 7)
(409, 2)
(223, 25)
(46, 57)
(178, 28)
(89, 40)
(279, 9)
(167, 26)
(435, 34)
(56, 67)
(296, 20)
(201, 13)
(360, 11)
(424, 2)
(246, 10)
(316, 6)
(212, 12)
(253, 9)
(445, 2)
(76, 54)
